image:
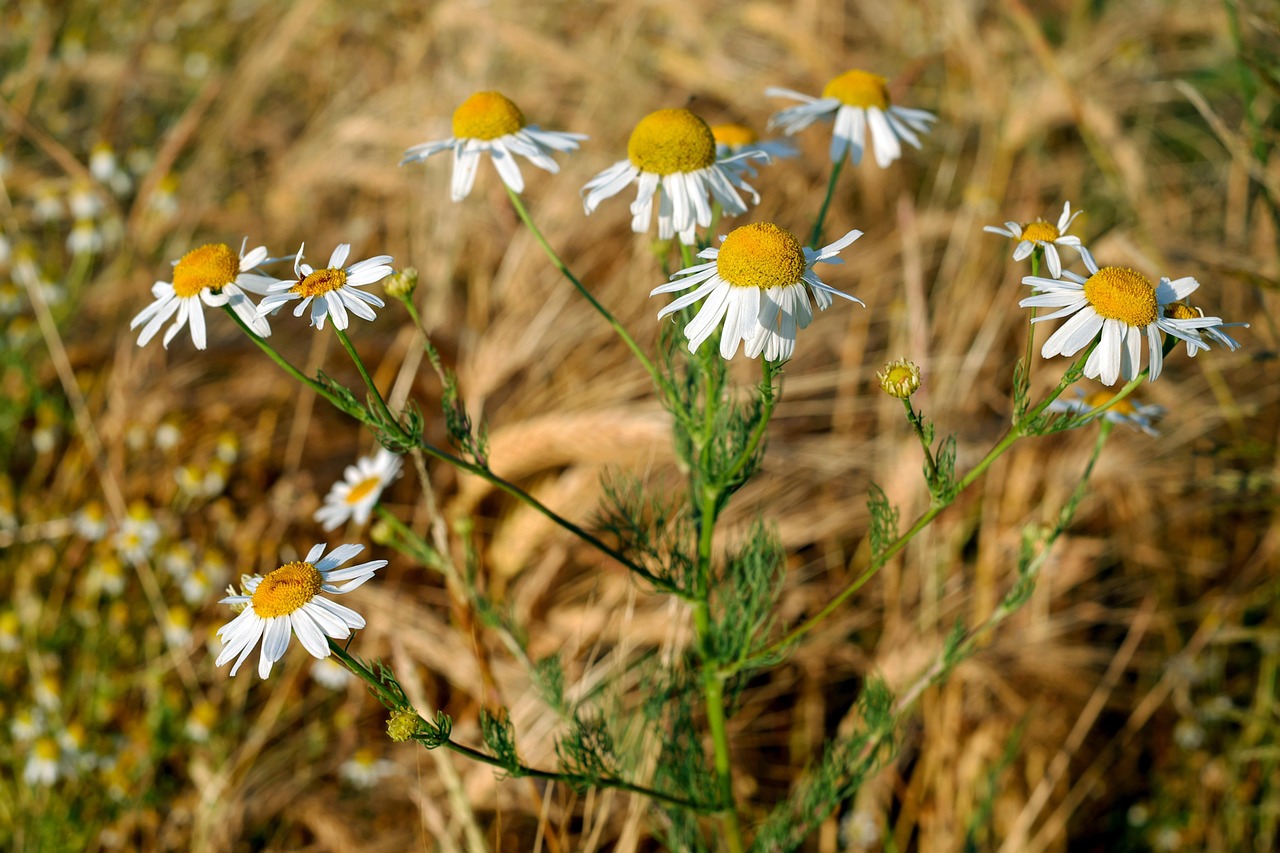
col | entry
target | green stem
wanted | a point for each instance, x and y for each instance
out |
(1028, 358)
(391, 421)
(559, 264)
(815, 237)
(712, 679)
(433, 355)
(390, 698)
(509, 488)
(917, 424)
(762, 427)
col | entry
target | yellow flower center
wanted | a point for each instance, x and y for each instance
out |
(734, 135)
(486, 115)
(1099, 399)
(46, 749)
(1181, 311)
(1118, 293)
(670, 141)
(1041, 232)
(760, 255)
(213, 266)
(320, 282)
(286, 589)
(858, 89)
(362, 490)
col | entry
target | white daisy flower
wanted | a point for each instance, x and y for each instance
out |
(1118, 306)
(85, 238)
(858, 101)
(331, 674)
(364, 769)
(331, 291)
(26, 724)
(46, 204)
(43, 762)
(1127, 411)
(211, 274)
(734, 139)
(1182, 311)
(490, 122)
(105, 576)
(287, 601)
(360, 489)
(674, 151)
(756, 283)
(1047, 237)
(138, 533)
(90, 521)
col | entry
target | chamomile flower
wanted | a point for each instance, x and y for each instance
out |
(733, 139)
(43, 762)
(331, 291)
(364, 769)
(138, 533)
(673, 153)
(756, 284)
(1118, 307)
(200, 721)
(859, 102)
(1182, 311)
(1128, 411)
(90, 521)
(287, 601)
(1043, 235)
(488, 122)
(331, 674)
(211, 274)
(360, 489)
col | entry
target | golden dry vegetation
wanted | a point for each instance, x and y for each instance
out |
(1129, 706)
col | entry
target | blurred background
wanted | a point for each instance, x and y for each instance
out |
(1129, 706)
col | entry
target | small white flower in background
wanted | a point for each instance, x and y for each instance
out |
(228, 447)
(331, 291)
(287, 601)
(26, 724)
(11, 298)
(102, 162)
(489, 122)
(106, 576)
(672, 154)
(1118, 307)
(859, 103)
(197, 586)
(758, 283)
(179, 559)
(358, 492)
(861, 830)
(75, 758)
(213, 275)
(90, 521)
(215, 479)
(1127, 411)
(48, 693)
(1182, 311)
(138, 533)
(84, 202)
(46, 205)
(10, 625)
(200, 721)
(167, 435)
(331, 674)
(364, 769)
(43, 762)
(5, 250)
(85, 238)
(1042, 234)
(190, 481)
(177, 626)
(735, 139)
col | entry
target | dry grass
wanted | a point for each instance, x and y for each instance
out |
(1160, 598)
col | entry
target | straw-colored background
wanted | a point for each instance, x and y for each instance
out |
(285, 122)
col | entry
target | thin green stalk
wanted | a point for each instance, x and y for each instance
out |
(390, 698)
(1029, 357)
(686, 254)
(505, 486)
(815, 237)
(559, 264)
(917, 424)
(383, 410)
(433, 355)
(758, 434)
(712, 679)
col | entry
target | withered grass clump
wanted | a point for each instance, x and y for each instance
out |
(1131, 702)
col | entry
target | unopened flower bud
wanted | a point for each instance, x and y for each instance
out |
(900, 378)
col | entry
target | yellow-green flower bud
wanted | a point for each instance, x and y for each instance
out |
(900, 378)
(402, 284)
(402, 725)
